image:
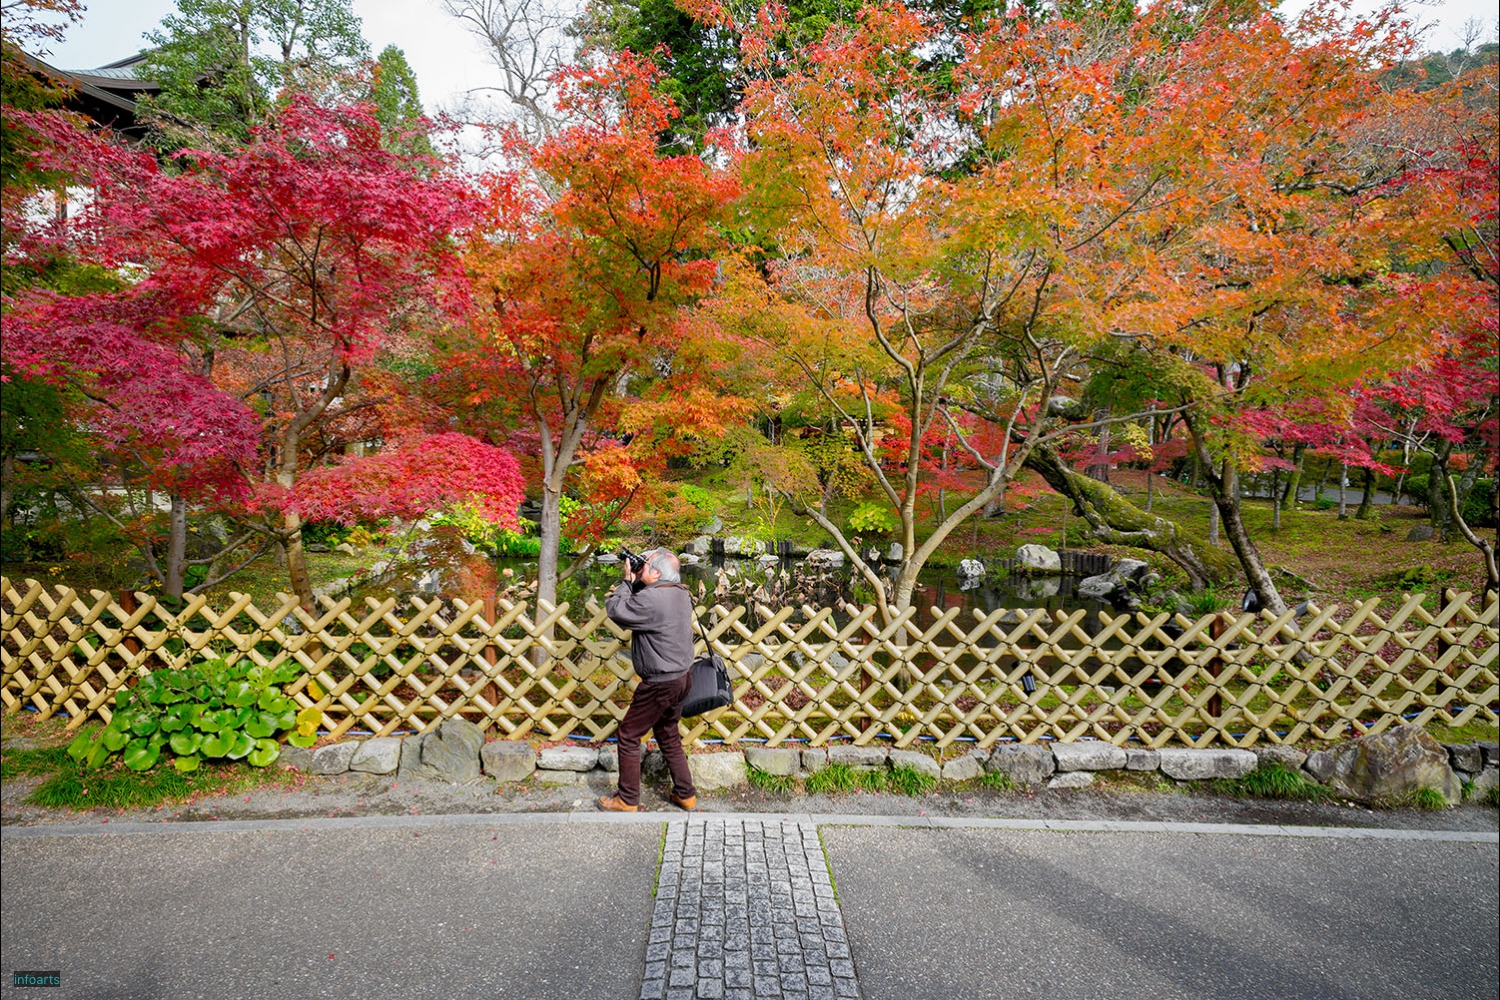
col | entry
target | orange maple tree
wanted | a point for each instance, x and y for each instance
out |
(590, 258)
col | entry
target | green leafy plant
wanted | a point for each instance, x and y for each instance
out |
(998, 780)
(206, 710)
(871, 516)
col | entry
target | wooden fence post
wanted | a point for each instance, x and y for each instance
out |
(1215, 668)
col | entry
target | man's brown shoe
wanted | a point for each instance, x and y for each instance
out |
(690, 803)
(613, 803)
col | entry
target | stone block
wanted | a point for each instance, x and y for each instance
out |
(1465, 756)
(1484, 781)
(449, 753)
(1134, 570)
(966, 768)
(296, 758)
(814, 759)
(715, 771)
(917, 762)
(609, 759)
(1090, 756)
(857, 756)
(508, 760)
(1318, 764)
(774, 760)
(1490, 751)
(568, 758)
(1288, 757)
(1072, 779)
(334, 759)
(1023, 763)
(380, 755)
(1200, 765)
(1142, 760)
(1392, 765)
(1421, 533)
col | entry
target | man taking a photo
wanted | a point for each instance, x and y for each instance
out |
(657, 609)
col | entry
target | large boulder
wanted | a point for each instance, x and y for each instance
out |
(508, 760)
(715, 771)
(1392, 765)
(1023, 763)
(1039, 559)
(1132, 570)
(824, 559)
(448, 753)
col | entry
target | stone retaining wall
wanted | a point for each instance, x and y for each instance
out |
(1371, 769)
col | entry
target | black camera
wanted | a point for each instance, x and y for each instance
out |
(637, 563)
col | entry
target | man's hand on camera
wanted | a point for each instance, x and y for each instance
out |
(626, 571)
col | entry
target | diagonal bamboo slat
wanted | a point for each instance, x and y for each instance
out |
(800, 674)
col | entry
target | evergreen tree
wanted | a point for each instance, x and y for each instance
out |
(398, 107)
(222, 64)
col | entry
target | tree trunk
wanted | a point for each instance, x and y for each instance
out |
(1224, 486)
(1322, 481)
(1100, 469)
(1485, 547)
(1367, 503)
(1116, 521)
(1437, 501)
(1275, 499)
(549, 533)
(1213, 520)
(176, 547)
(1343, 490)
(296, 561)
(7, 489)
(1293, 479)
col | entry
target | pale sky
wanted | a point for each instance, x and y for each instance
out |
(449, 61)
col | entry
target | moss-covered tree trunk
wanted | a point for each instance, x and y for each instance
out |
(1117, 521)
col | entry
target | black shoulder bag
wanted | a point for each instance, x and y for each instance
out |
(710, 689)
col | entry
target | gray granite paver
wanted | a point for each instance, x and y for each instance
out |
(745, 911)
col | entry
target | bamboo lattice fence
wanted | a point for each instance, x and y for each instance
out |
(799, 674)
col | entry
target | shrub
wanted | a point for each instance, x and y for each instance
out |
(1274, 781)
(699, 498)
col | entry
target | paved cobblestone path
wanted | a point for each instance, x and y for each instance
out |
(745, 911)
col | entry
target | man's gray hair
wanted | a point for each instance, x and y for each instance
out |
(665, 563)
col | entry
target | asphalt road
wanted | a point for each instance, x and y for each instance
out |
(504, 913)
(995, 914)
